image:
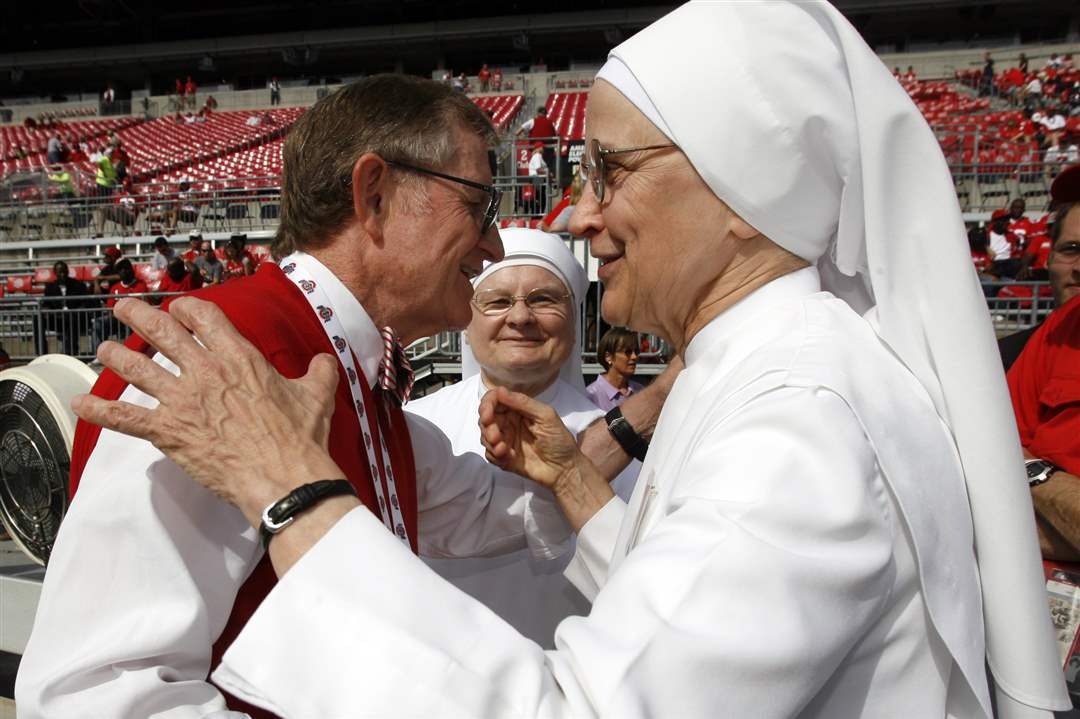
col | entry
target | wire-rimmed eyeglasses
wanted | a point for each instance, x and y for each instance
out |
(592, 165)
(540, 301)
(494, 193)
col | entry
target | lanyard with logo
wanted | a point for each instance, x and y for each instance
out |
(293, 268)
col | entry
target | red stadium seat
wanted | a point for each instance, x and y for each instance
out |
(18, 284)
(44, 275)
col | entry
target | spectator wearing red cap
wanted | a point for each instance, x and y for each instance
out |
(128, 283)
(107, 274)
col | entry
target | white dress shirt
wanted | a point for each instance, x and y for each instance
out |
(147, 563)
(795, 547)
(531, 594)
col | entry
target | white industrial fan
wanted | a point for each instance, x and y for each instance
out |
(37, 428)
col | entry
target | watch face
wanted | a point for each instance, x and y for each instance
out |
(1037, 468)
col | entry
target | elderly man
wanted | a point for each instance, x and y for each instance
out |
(526, 310)
(802, 541)
(151, 577)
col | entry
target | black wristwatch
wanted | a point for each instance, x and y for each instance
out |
(1039, 471)
(631, 442)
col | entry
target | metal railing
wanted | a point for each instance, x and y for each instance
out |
(34, 325)
(1016, 306)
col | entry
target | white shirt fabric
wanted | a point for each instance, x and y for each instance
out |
(531, 594)
(761, 569)
(147, 563)
(160, 261)
(537, 166)
(1000, 246)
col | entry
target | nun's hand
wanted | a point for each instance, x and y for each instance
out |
(527, 437)
(229, 419)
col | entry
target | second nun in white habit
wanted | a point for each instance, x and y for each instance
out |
(534, 351)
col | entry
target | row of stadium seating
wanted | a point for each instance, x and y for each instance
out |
(33, 140)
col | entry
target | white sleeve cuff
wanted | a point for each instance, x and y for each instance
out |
(547, 532)
(588, 569)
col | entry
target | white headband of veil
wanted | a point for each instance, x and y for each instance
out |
(539, 249)
(793, 122)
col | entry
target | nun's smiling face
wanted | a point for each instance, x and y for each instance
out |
(662, 236)
(519, 347)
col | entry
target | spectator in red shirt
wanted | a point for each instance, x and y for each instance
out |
(539, 127)
(484, 76)
(178, 279)
(247, 260)
(107, 274)
(1045, 387)
(980, 254)
(189, 93)
(194, 250)
(128, 284)
(1019, 224)
(496, 79)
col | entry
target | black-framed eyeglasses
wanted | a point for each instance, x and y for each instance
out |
(540, 301)
(592, 165)
(494, 193)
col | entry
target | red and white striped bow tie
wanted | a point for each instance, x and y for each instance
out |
(395, 372)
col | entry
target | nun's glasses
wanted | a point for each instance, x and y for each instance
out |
(592, 167)
(540, 301)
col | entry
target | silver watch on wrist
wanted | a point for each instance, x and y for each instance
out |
(1039, 471)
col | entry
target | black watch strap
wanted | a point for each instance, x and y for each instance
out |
(631, 442)
(281, 513)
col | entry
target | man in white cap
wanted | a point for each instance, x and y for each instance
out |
(523, 336)
(827, 468)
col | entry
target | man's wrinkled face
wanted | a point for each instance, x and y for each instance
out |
(521, 344)
(1064, 261)
(434, 232)
(661, 234)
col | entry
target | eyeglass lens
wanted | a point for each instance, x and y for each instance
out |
(539, 301)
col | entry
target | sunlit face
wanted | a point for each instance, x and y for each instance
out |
(1064, 261)
(438, 249)
(522, 346)
(624, 361)
(661, 235)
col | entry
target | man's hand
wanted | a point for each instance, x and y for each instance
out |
(527, 437)
(229, 420)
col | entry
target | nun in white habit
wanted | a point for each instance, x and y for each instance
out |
(535, 352)
(827, 468)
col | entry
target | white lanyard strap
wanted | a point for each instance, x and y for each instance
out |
(293, 267)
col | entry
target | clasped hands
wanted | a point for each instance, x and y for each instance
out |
(250, 435)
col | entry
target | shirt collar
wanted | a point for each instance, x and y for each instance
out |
(360, 331)
(788, 287)
(609, 390)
